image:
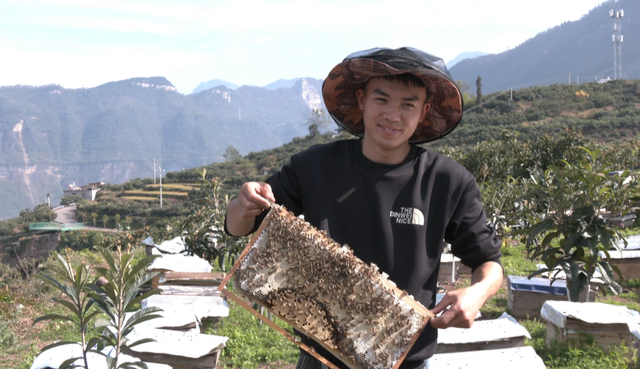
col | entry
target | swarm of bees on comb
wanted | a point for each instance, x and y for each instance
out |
(324, 291)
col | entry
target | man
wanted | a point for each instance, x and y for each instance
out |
(391, 201)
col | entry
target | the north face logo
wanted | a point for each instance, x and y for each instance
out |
(408, 216)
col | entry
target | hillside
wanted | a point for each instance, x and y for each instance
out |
(51, 136)
(581, 48)
(601, 111)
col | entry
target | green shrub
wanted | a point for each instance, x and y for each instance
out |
(251, 344)
(7, 336)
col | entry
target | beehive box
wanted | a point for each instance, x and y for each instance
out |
(518, 357)
(501, 333)
(324, 291)
(628, 261)
(526, 296)
(608, 324)
(449, 266)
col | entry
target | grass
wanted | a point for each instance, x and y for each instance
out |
(252, 344)
(154, 193)
(140, 198)
(177, 186)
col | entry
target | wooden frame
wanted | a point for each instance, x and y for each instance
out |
(402, 298)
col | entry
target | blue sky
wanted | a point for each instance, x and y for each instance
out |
(85, 43)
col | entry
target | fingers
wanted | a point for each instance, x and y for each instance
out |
(253, 198)
(454, 312)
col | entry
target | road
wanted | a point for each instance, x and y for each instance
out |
(66, 214)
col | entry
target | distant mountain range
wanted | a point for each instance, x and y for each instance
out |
(580, 50)
(281, 83)
(213, 83)
(51, 136)
(463, 56)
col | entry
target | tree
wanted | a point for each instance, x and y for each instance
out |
(117, 219)
(72, 283)
(573, 207)
(40, 213)
(231, 154)
(318, 121)
(70, 199)
(94, 217)
(127, 220)
(479, 91)
(203, 231)
(125, 275)
(463, 86)
(105, 220)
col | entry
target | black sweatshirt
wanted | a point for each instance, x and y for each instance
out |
(395, 216)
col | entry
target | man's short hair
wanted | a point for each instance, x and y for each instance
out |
(406, 79)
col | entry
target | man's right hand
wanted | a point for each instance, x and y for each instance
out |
(252, 200)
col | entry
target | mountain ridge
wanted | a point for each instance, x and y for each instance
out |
(581, 48)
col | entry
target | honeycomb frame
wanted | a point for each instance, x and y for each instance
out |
(323, 290)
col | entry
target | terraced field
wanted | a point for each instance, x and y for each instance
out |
(177, 191)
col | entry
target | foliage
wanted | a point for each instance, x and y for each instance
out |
(72, 283)
(203, 231)
(124, 240)
(79, 240)
(566, 206)
(231, 154)
(318, 121)
(479, 90)
(251, 344)
(120, 295)
(7, 336)
(603, 112)
(500, 199)
(40, 213)
(71, 199)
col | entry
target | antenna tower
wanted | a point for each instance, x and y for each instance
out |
(616, 14)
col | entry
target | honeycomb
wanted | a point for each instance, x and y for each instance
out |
(324, 291)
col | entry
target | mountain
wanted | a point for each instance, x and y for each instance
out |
(463, 56)
(581, 49)
(281, 83)
(51, 136)
(311, 91)
(214, 83)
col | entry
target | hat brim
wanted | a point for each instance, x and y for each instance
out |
(339, 93)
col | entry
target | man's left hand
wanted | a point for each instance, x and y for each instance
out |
(460, 307)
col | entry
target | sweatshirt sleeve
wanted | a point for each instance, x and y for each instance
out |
(286, 189)
(471, 238)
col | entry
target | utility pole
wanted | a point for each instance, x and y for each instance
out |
(160, 170)
(569, 78)
(617, 14)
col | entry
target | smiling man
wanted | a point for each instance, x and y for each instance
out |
(390, 200)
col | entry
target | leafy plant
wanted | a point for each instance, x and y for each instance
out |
(203, 231)
(567, 205)
(73, 284)
(121, 295)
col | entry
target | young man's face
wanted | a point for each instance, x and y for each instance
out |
(391, 112)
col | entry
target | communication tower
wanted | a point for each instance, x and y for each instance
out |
(616, 14)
